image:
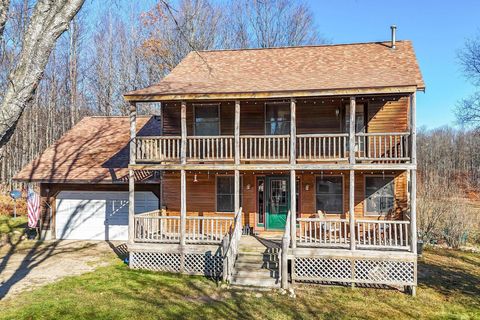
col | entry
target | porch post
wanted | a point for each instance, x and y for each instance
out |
(293, 132)
(237, 191)
(131, 173)
(183, 206)
(183, 174)
(351, 134)
(351, 214)
(293, 209)
(237, 132)
(413, 173)
(183, 118)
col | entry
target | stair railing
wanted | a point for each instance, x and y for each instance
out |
(230, 245)
(283, 254)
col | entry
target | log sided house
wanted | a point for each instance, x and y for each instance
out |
(311, 147)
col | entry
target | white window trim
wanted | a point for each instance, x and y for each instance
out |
(218, 105)
(216, 194)
(343, 193)
(376, 214)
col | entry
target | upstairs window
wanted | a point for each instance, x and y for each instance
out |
(329, 194)
(379, 195)
(277, 118)
(207, 120)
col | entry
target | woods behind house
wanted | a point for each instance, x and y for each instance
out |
(105, 54)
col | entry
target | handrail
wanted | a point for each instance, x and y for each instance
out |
(371, 134)
(321, 135)
(283, 253)
(230, 245)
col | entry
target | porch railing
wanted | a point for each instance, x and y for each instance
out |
(210, 148)
(321, 231)
(162, 148)
(273, 147)
(382, 234)
(230, 247)
(383, 146)
(153, 227)
(322, 146)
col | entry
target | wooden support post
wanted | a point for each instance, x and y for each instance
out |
(183, 119)
(413, 210)
(237, 191)
(131, 174)
(284, 264)
(351, 131)
(237, 132)
(413, 128)
(351, 206)
(293, 132)
(293, 210)
(183, 206)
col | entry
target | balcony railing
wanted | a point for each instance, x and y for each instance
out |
(383, 146)
(369, 147)
(322, 146)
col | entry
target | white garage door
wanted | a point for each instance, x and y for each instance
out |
(98, 215)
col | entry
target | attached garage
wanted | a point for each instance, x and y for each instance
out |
(98, 215)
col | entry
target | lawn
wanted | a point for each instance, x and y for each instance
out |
(449, 289)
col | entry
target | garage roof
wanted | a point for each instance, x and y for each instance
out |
(237, 73)
(95, 150)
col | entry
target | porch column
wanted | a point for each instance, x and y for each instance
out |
(293, 132)
(237, 191)
(413, 174)
(131, 173)
(351, 213)
(183, 206)
(351, 134)
(183, 174)
(183, 118)
(237, 132)
(293, 209)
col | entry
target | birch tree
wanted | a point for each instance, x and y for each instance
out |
(49, 20)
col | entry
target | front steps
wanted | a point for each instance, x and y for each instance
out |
(257, 263)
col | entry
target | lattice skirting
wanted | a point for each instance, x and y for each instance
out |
(357, 270)
(190, 263)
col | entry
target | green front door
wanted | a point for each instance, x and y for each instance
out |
(278, 202)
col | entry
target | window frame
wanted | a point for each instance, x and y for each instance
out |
(365, 198)
(195, 105)
(265, 106)
(343, 192)
(216, 192)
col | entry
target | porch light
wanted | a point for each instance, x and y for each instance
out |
(195, 178)
(337, 112)
(248, 186)
(307, 187)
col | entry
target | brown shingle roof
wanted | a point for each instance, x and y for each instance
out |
(94, 150)
(326, 67)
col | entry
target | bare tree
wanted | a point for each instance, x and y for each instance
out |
(468, 109)
(49, 20)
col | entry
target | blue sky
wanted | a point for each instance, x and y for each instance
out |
(438, 30)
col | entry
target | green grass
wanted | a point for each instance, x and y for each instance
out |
(449, 288)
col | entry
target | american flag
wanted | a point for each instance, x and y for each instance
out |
(33, 206)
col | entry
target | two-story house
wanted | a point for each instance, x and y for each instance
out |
(308, 150)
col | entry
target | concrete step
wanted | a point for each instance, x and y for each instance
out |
(255, 266)
(255, 282)
(257, 274)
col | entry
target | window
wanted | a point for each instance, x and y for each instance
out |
(226, 193)
(329, 194)
(379, 195)
(207, 120)
(277, 118)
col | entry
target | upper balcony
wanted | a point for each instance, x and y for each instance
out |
(315, 130)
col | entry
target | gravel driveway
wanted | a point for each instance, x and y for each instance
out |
(39, 263)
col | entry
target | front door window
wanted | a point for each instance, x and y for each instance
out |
(278, 202)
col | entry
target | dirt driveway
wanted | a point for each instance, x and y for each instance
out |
(37, 263)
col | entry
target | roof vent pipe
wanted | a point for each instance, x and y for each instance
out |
(394, 36)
